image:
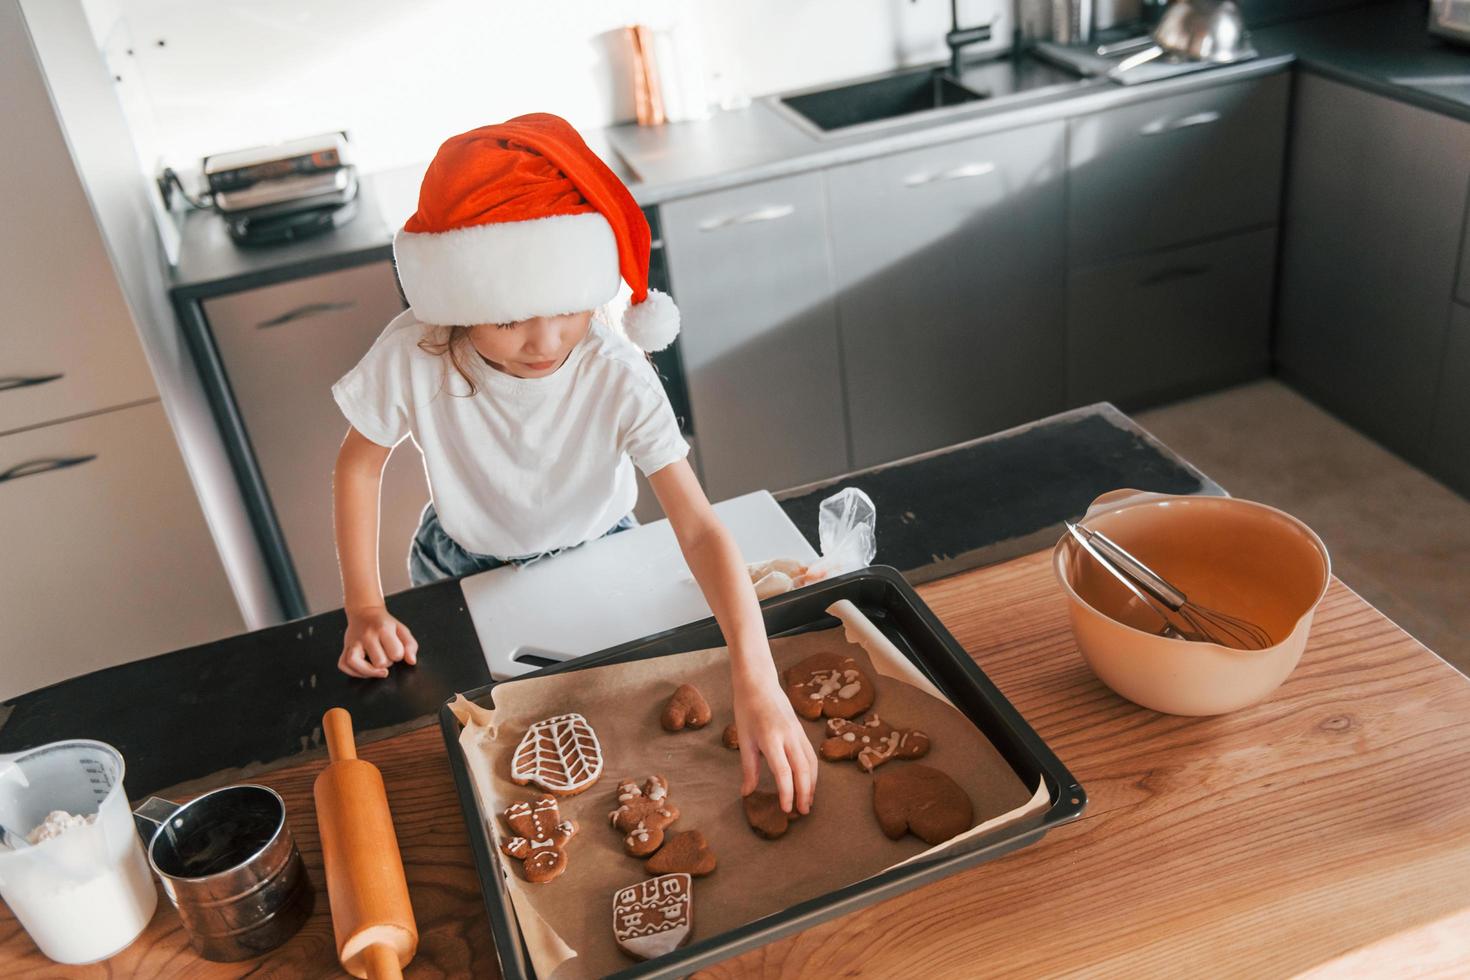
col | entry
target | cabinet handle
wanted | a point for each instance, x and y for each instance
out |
(36, 466)
(1159, 126)
(769, 213)
(22, 381)
(302, 312)
(961, 172)
(1174, 273)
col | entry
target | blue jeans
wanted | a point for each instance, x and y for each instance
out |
(434, 555)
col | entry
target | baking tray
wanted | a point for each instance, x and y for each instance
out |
(893, 606)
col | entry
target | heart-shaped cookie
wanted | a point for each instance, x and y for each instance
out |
(687, 708)
(764, 814)
(686, 852)
(922, 801)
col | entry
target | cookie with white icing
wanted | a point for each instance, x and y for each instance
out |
(871, 742)
(540, 837)
(918, 800)
(642, 815)
(828, 684)
(561, 755)
(654, 917)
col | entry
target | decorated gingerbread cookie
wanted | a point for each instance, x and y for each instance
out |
(871, 742)
(540, 840)
(764, 814)
(730, 738)
(687, 708)
(922, 801)
(643, 814)
(686, 852)
(654, 917)
(561, 755)
(828, 684)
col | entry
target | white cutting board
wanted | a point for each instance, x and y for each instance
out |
(612, 590)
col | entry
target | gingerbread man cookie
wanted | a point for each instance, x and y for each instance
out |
(643, 814)
(686, 852)
(687, 708)
(540, 839)
(730, 738)
(921, 801)
(871, 743)
(654, 917)
(764, 814)
(828, 684)
(561, 755)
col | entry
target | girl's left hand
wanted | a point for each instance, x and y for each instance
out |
(769, 728)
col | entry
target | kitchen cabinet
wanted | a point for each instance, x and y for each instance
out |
(283, 347)
(752, 275)
(101, 567)
(1450, 439)
(1172, 323)
(949, 268)
(1370, 250)
(1177, 169)
(63, 351)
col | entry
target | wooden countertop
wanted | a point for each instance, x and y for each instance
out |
(1328, 828)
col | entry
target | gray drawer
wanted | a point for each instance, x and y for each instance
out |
(1147, 328)
(1450, 441)
(950, 273)
(283, 347)
(107, 556)
(751, 272)
(1176, 170)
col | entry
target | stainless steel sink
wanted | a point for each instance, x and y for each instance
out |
(889, 98)
(924, 94)
(1453, 87)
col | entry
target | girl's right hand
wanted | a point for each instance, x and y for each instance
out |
(374, 642)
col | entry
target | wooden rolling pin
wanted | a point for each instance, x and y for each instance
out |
(371, 914)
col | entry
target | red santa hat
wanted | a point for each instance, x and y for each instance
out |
(520, 220)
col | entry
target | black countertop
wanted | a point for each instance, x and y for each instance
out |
(218, 712)
(1381, 47)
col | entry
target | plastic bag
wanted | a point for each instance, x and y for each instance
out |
(847, 532)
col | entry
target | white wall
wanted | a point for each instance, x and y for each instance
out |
(205, 76)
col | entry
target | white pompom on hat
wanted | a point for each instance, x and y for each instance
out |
(521, 219)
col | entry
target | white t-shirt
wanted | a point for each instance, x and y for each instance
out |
(524, 465)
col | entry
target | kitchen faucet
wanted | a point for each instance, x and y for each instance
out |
(959, 37)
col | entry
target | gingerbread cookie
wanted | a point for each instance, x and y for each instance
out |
(922, 801)
(654, 917)
(643, 814)
(871, 743)
(731, 738)
(686, 852)
(561, 755)
(540, 839)
(687, 708)
(828, 684)
(764, 814)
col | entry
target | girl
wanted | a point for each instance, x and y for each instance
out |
(531, 410)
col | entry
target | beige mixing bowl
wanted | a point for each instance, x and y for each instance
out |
(1236, 556)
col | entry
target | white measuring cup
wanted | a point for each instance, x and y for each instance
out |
(85, 894)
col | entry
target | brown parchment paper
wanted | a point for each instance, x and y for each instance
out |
(568, 922)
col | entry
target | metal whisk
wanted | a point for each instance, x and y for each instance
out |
(1182, 619)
